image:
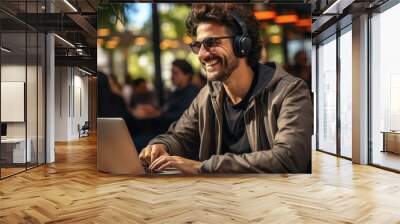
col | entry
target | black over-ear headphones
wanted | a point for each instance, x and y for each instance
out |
(242, 42)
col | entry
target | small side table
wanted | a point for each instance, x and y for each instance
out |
(391, 141)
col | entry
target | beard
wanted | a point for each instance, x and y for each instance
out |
(222, 69)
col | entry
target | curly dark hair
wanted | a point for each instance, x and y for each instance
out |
(219, 13)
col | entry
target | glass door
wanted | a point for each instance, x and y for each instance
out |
(345, 42)
(14, 144)
(326, 88)
(385, 89)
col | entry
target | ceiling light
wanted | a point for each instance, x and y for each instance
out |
(65, 41)
(70, 5)
(334, 8)
(5, 50)
(337, 7)
(84, 71)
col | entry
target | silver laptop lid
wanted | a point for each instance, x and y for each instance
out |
(116, 152)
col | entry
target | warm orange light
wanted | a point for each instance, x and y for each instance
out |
(174, 44)
(264, 15)
(187, 39)
(102, 32)
(304, 22)
(166, 44)
(100, 42)
(140, 41)
(275, 39)
(113, 43)
(283, 19)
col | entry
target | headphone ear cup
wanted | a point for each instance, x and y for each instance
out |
(245, 46)
(241, 46)
(236, 46)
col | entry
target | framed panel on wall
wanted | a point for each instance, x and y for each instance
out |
(12, 101)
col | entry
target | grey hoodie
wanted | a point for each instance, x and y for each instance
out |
(281, 105)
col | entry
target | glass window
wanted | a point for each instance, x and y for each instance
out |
(15, 148)
(385, 89)
(22, 89)
(346, 93)
(327, 96)
(313, 88)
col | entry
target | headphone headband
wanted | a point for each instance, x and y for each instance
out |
(240, 22)
(241, 42)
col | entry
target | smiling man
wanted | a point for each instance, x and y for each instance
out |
(250, 118)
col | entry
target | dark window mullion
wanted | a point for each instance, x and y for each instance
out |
(369, 90)
(338, 73)
(316, 97)
(26, 86)
(37, 90)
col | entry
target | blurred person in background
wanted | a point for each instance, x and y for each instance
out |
(178, 99)
(127, 89)
(183, 94)
(142, 95)
(112, 104)
(301, 68)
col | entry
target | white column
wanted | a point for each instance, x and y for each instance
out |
(50, 94)
(360, 90)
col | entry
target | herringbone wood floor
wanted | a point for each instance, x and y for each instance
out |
(71, 191)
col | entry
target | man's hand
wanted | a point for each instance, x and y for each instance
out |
(186, 166)
(149, 154)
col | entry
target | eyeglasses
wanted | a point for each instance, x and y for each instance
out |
(208, 43)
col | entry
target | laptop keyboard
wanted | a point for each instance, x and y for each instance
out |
(148, 170)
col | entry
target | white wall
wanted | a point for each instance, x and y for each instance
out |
(33, 126)
(62, 81)
(12, 73)
(71, 102)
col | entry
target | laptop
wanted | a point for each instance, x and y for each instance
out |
(116, 151)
